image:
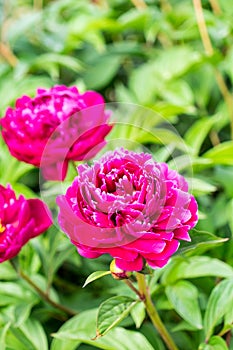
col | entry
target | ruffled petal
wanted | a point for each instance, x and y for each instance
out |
(41, 215)
(135, 265)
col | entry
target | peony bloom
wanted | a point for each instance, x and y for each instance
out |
(130, 207)
(20, 220)
(75, 125)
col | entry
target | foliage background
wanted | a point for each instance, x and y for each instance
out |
(150, 54)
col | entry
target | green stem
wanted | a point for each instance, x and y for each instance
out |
(165, 6)
(209, 52)
(7, 54)
(152, 312)
(139, 4)
(43, 294)
(38, 4)
(131, 286)
(215, 6)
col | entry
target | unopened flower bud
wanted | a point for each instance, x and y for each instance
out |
(118, 273)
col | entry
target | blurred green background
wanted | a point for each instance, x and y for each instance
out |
(175, 58)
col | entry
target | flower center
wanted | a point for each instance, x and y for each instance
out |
(2, 228)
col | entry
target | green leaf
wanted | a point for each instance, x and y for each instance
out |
(183, 58)
(226, 328)
(24, 190)
(145, 93)
(81, 329)
(81, 326)
(162, 72)
(112, 311)
(18, 313)
(184, 298)
(220, 300)
(138, 314)
(170, 111)
(102, 71)
(200, 187)
(215, 343)
(223, 175)
(34, 332)
(196, 266)
(50, 62)
(230, 216)
(29, 335)
(3, 333)
(228, 319)
(160, 136)
(95, 275)
(153, 336)
(58, 259)
(10, 92)
(7, 272)
(13, 341)
(188, 162)
(178, 92)
(53, 252)
(197, 133)
(14, 293)
(183, 326)
(221, 154)
(22, 312)
(135, 19)
(13, 169)
(24, 25)
(200, 241)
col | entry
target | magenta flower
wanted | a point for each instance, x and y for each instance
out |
(130, 207)
(75, 125)
(20, 220)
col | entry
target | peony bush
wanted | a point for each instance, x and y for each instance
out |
(125, 205)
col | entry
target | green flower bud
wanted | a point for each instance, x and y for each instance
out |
(118, 273)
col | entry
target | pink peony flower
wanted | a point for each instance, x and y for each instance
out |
(130, 207)
(74, 124)
(20, 220)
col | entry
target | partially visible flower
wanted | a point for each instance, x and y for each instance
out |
(75, 124)
(130, 207)
(20, 220)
